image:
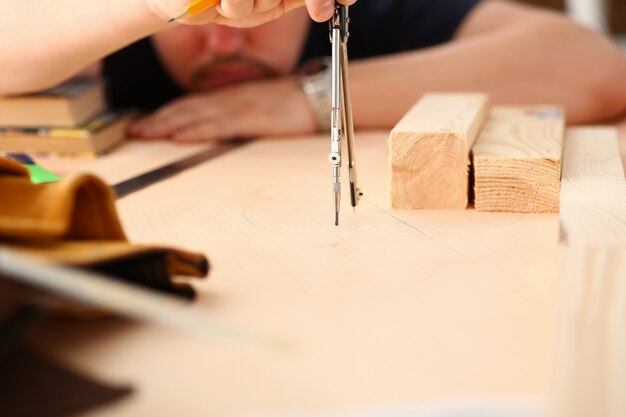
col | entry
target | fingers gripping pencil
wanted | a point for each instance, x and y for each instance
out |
(195, 7)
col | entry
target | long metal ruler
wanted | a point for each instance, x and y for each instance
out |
(126, 187)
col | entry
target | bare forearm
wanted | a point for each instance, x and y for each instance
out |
(546, 60)
(43, 42)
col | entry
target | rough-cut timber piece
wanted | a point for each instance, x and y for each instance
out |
(429, 151)
(591, 344)
(517, 160)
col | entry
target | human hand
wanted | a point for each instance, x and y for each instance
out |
(322, 10)
(261, 108)
(243, 13)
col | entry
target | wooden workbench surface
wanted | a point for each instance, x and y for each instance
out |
(392, 307)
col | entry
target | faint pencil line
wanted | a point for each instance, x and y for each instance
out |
(421, 232)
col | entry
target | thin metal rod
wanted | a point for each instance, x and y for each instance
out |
(335, 123)
(349, 126)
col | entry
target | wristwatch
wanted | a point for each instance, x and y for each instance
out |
(314, 77)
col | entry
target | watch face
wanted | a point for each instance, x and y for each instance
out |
(315, 79)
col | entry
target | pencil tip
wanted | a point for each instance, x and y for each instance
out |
(336, 218)
(173, 19)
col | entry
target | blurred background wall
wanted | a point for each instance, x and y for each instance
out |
(606, 15)
(617, 16)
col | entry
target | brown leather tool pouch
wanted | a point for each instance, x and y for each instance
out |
(73, 222)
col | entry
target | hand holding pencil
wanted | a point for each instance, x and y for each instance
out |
(242, 13)
(195, 8)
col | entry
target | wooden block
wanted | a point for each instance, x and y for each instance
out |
(429, 151)
(517, 160)
(591, 341)
(593, 188)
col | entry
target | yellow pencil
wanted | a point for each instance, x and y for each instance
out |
(195, 7)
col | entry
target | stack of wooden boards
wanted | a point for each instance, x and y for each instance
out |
(449, 145)
(69, 118)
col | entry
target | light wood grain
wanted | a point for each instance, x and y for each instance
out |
(591, 366)
(375, 312)
(429, 151)
(517, 160)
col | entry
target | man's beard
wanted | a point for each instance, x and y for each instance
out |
(229, 70)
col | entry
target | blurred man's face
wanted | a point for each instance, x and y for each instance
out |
(201, 58)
